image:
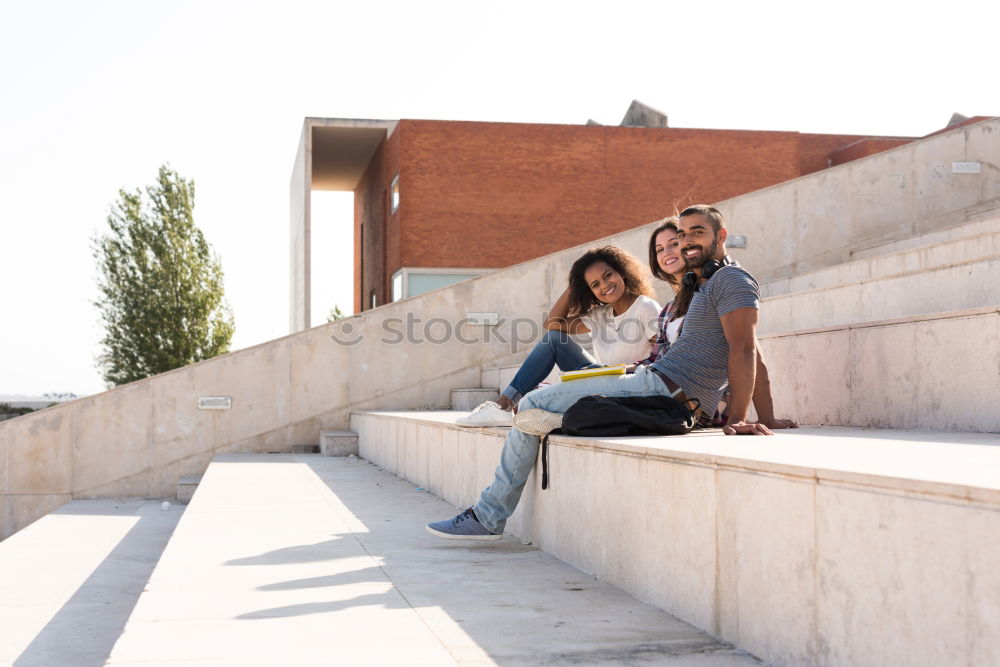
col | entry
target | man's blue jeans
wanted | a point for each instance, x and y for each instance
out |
(555, 349)
(498, 500)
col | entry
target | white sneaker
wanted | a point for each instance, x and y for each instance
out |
(487, 414)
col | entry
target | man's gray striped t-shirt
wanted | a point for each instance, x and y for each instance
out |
(699, 360)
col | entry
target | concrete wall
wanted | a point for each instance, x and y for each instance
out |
(832, 216)
(818, 547)
(376, 228)
(137, 440)
(299, 234)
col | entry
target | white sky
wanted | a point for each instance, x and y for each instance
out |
(94, 96)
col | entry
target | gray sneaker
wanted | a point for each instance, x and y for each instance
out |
(537, 421)
(465, 526)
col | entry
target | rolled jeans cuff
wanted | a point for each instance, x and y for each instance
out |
(513, 394)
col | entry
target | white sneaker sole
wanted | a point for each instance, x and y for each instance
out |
(474, 538)
(537, 421)
(492, 423)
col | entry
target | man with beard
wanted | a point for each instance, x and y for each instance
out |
(718, 345)
(719, 341)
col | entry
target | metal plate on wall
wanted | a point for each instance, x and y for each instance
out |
(215, 402)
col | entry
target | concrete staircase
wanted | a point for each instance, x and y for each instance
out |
(338, 443)
(467, 399)
(819, 546)
(934, 277)
(832, 545)
(836, 545)
(186, 487)
(311, 560)
(69, 581)
(907, 339)
(495, 377)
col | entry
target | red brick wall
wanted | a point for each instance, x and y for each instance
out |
(529, 190)
(488, 195)
(864, 148)
(815, 149)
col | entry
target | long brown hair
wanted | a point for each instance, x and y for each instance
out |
(581, 297)
(682, 296)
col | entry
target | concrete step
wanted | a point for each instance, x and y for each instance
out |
(69, 581)
(980, 219)
(467, 399)
(186, 487)
(938, 372)
(502, 375)
(975, 240)
(338, 443)
(816, 546)
(923, 291)
(308, 560)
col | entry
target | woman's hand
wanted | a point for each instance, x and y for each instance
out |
(559, 318)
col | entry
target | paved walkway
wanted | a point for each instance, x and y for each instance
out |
(297, 560)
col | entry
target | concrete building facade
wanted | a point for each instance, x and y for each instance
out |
(441, 201)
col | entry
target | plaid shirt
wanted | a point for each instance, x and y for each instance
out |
(660, 348)
(662, 344)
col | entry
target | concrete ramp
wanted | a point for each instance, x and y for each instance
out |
(302, 559)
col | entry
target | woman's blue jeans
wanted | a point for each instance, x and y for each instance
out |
(555, 349)
(520, 450)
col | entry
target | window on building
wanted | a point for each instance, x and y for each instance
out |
(419, 283)
(397, 286)
(411, 281)
(394, 194)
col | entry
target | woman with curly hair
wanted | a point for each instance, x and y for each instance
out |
(608, 297)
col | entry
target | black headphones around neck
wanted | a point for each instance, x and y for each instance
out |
(708, 270)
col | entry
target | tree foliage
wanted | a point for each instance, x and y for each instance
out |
(162, 297)
(335, 314)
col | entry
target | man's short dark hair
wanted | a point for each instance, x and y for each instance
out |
(713, 214)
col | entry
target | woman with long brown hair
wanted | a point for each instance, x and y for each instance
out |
(667, 263)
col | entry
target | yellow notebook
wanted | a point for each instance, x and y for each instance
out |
(592, 372)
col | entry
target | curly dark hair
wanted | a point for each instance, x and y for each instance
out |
(581, 297)
(682, 296)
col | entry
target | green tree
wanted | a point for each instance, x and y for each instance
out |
(162, 297)
(335, 314)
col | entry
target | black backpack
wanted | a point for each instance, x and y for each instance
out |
(618, 416)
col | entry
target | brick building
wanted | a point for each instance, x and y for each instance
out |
(441, 201)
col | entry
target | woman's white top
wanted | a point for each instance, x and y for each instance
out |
(625, 338)
(673, 329)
